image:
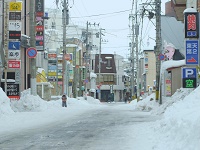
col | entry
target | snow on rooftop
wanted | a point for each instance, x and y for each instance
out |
(172, 63)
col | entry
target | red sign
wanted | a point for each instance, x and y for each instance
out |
(52, 55)
(39, 28)
(191, 25)
(67, 57)
(191, 22)
(14, 64)
(14, 97)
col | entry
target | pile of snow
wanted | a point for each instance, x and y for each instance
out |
(90, 100)
(25, 113)
(180, 128)
(147, 104)
(4, 104)
(30, 103)
(150, 104)
(179, 95)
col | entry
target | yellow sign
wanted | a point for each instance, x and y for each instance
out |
(52, 74)
(15, 6)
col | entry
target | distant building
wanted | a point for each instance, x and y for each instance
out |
(149, 71)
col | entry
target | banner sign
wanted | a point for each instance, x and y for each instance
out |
(191, 25)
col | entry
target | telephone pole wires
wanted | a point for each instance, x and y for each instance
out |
(32, 44)
(158, 45)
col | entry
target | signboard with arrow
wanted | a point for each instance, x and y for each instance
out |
(192, 48)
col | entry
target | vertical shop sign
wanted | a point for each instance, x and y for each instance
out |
(39, 9)
(191, 25)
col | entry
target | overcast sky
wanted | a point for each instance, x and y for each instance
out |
(113, 16)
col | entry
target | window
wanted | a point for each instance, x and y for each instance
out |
(109, 62)
(108, 78)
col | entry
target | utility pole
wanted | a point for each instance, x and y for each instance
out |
(86, 60)
(65, 66)
(136, 33)
(87, 56)
(132, 58)
(158, 45)
(5, 42)
(1, 39)
(100, 60)
(137, 54)
(32, 44)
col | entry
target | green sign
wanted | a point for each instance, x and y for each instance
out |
(189, 82)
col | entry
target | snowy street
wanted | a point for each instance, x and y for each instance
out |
(101, 128)
(32, 123)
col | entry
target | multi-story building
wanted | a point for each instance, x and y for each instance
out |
(109, 76)
(149, 74)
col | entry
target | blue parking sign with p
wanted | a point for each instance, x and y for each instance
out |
(189, 77)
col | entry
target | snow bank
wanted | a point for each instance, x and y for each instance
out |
(4, 104)
(90, 100)
(180, 123)
(147, 104)
(179, 95)
(30, 103)
(150, 104)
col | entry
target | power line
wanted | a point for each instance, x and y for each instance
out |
(103, 14)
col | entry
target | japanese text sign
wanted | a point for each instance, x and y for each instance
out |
(191, 25)
(192, 49)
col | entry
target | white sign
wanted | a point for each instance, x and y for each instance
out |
(13, 54)
(14, 26)
(188, 72)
